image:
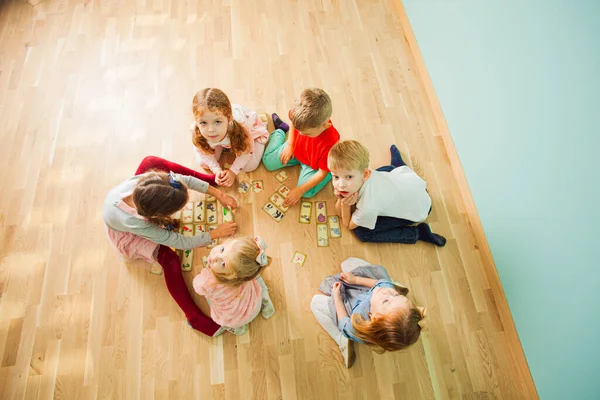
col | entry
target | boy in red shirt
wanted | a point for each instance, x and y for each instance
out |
(310, 139)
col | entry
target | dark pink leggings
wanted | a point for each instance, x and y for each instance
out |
(169, 260)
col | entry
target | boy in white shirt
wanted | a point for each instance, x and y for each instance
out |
(388, 201)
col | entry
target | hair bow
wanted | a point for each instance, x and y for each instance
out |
(261, 258)
(174, 181)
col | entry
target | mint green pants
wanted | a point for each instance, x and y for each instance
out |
(272, 161)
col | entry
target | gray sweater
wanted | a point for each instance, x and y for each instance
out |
(119, 220)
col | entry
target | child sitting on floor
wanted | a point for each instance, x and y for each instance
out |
(308, 144)
(388, 201)
(233, 286)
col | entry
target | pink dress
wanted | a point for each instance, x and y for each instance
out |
(129, 245)
(230, 306)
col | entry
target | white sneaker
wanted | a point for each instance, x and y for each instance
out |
(352, 262)
(347, 351)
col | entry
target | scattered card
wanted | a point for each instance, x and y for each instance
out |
(208, 197)
(187, 230)
(305, 211)
(205, 261)
(156, 269)
(275, 213)
(227, 215)
(322, 238)
(283, 190)
(187, 259)
(213, 242)
(199, 212)
(211, 212)
(257, 186)
(278, 200)
(281, 176)
(334, 227)
(243, 187)
(299, 258)
(321, 212)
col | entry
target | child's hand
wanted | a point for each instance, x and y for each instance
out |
(292, 197)
(335, 291)
(286, 154)
(225, 178)
(350, 200)
(226, 229)
(348, 277)
(227, 201)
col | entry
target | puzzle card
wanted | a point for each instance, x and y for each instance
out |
(199, 212)
(213, 242)
(205, 261)
(187, 230)
(211, 212)
(273, 211)
(283, 190)
(334, 227)
(227, 214)
(187, 259)
(243, 187)
(187, 216)
(322, 237)
(305, 211)
(281, 176)
(321, 212)
(208, 197)
(299, 258)
(257, 186)
(198, 229)
(156, 269)
(278, 200)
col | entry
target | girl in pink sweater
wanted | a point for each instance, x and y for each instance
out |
(232, 284)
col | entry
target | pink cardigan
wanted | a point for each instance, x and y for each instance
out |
(230, 306)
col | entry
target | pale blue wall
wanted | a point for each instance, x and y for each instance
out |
(518, 81)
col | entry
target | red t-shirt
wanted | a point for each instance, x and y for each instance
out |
(313, 151)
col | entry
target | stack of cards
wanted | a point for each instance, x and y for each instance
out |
(305, 212)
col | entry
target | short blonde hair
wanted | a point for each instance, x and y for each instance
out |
(243, 263)
(311, 109)
(348, 155)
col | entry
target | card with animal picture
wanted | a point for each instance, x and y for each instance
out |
(198, 229)
(213, 242)
(227, 214)
(281, 175)
(299, 258)
(187, 214)
(187, 259)
(278, 200)
(305, 211)
(322, 237)
(273, 211)
(211, 212)
(283, 190)
(257, 186)
(334, 227)
(187, 230)
(199, 212)
(321, 212)
(243, 187)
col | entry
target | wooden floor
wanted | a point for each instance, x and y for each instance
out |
(87, 88)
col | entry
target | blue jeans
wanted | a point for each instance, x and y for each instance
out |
(389, 229)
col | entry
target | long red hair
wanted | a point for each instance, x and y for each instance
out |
(216, 100)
